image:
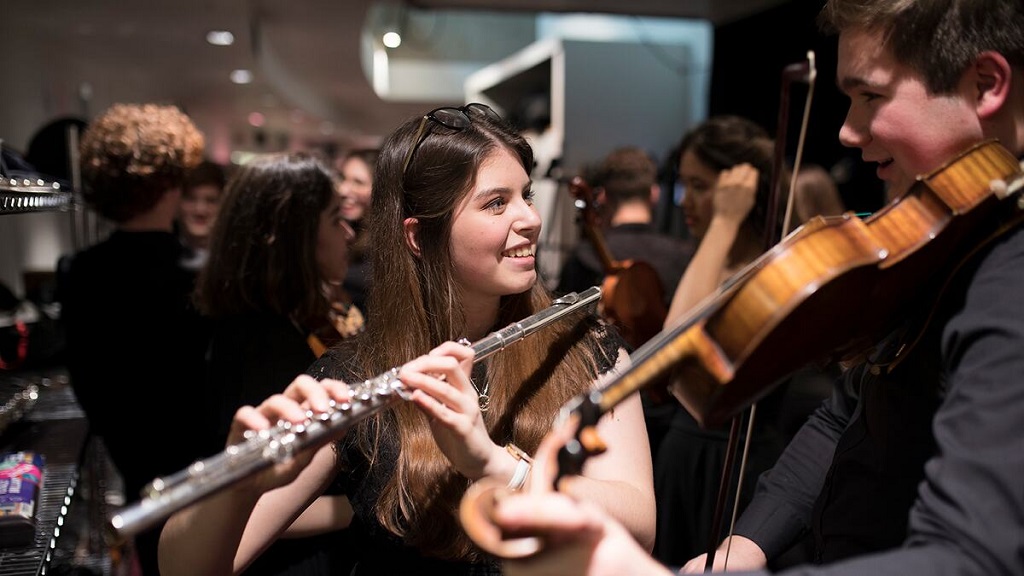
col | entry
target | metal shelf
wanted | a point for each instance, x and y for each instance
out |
(21, 195)
(57, 428)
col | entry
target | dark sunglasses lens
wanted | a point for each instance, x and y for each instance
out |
(483, 110)
(452, 118)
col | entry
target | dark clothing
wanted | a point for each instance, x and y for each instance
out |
(252, 357)
(688, 474)
(882, 453)
(194, 258)
(381, 552)
(360, 272)
(135, 348)
(668, 255)
(923, 463)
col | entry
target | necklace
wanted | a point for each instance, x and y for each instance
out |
(483, 399)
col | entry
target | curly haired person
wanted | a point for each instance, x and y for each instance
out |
(132, 333)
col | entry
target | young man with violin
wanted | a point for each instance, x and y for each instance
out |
(915, 465)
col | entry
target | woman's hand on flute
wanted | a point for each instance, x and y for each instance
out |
(305, 393)
(212, 536)
(443, 389)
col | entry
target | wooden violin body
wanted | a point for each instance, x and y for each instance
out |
(839, 284)
(633, 301)
(834, 285)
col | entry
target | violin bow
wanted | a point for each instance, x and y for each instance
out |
(806, 72)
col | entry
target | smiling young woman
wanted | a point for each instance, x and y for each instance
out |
(452, 192)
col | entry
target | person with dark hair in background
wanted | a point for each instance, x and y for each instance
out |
(278, 250)
(453, 204)
(725, 164)
(626, 188)
(914, 465)
(134, 341)
(200, 202)
(355, 174)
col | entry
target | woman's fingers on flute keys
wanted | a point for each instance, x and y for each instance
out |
(316, 395)
(337, 390)
(442, 385)
(460, 350)
(303, 395)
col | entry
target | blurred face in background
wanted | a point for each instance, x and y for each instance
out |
(699, 180)
(198, 211)
(334, 235)
(356, 183)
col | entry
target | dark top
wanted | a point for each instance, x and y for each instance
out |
(688, 475)
(382, 553)
(668, 255)
(924, 464)
(133, 336)
(252, 357)
(135, 348)
(357, 279)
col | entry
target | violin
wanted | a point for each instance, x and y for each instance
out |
(343, 320)
(834, 286)
(632, 297)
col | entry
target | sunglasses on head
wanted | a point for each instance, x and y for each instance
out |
(450, 117)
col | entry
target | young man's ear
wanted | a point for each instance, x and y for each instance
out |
(992, 75)
(412, 226)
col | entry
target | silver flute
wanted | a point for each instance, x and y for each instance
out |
(260, 449)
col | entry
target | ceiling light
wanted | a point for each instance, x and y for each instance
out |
(392, 39)
(220, 37)
(241, 76)
(381, 71)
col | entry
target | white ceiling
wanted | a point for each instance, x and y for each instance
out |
(76, 57)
